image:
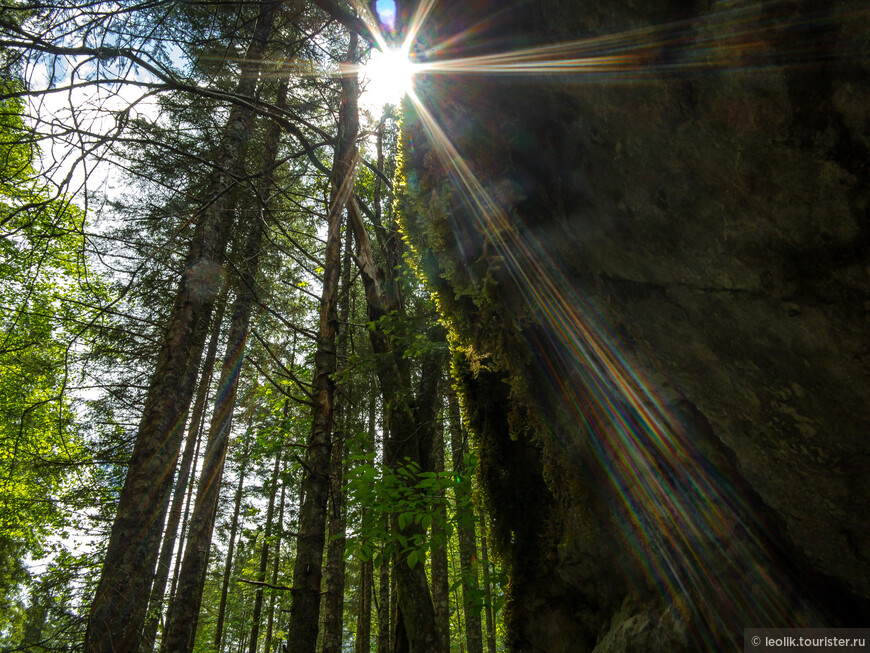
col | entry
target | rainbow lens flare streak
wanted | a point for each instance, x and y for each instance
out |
(731, 40)
(698, 541)
(679, 516)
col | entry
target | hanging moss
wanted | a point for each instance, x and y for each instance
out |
(714, 221)
(533, 526)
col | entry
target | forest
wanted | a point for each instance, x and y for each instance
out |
(432, 326)
(222, 379)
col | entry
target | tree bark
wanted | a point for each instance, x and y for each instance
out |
(440, 582)
(334, 571)
(385, 607)
(181, 626)
(414, 440)
(158, 588)
(120, 602)
(182, 537)
(362, 642)
(410, 425)
(487, 588)
(234, 527)
(270, 155)
(334, 576)
(276, 564)
(364, 613)
(384, 601)
(196, 560)
(181, 630)
(467, 543)
(264, 557)
(305, 606)
(231, 548)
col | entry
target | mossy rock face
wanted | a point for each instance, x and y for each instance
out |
(658, 283)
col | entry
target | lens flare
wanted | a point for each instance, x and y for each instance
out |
(698, 541)
(677, 513)
(388, 75)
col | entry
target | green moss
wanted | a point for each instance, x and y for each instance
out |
(491, 367)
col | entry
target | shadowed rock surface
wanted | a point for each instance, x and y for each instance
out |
(658, 285)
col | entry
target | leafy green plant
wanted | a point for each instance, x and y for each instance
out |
(396, 498)
(49, 298)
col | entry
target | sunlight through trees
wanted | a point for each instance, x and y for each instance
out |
(431, 327)
(203, 399)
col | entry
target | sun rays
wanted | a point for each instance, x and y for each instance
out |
(388, 77)
(729, 40)
(675, 510)
(389, 73)
(694, 536)
(700, 544)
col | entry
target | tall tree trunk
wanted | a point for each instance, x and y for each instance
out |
(120, 602)
(237, 340)
(415, 602)
(181, 630)
(277, 562)
(305, 606)
(264, 557)
(487, 589)
(457, 599)
(158, 589)
(270, 156)
(410, 424)
(228, 567)
(364, 612)
(440, 582)
(386, 598)
(182, 536)
(275, 567)
(333, 609)
(334, 570)
(244, 640)
(384, 604)
(362, 642)
(467, 539)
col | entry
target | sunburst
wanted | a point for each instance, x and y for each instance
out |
(389, 73)
(676, 508)
(388, 76)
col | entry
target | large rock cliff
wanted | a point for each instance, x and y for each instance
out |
(654, 256)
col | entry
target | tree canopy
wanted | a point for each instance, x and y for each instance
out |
(218, 364)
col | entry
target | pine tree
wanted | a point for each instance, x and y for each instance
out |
(307, 574)
(118, 610)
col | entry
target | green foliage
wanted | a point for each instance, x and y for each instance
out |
(406, 496)
(411, 334)
(46, 299)
(49, 297)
